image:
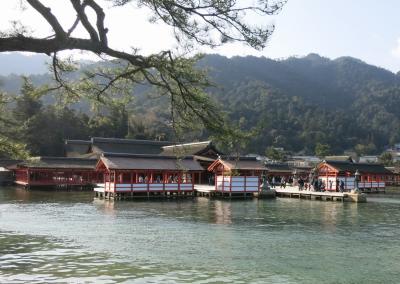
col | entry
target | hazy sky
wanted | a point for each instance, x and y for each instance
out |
(366, 29)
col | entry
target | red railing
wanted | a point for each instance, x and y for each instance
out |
(53, 177)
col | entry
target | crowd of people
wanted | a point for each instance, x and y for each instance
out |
(306, 183)
(172, 178)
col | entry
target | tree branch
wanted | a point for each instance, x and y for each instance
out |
(196, 20)
(48, 46)
(80, 10)
(73, 27)
(49, 17)
(100, 20)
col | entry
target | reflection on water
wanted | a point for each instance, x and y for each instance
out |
(223, 212)
(53, 236)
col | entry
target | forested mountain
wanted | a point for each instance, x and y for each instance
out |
(299, 102)
(294, 103)
(319, 80)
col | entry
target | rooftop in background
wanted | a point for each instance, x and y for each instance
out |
(303, 161)
(76, 148)
(278, 168)
(58, 163)
(122, 161)
(7, 163)
(339, 158)
(129, 146)
(395, 148)
(93, 148)
(305, 158)
(395, 170)
(368, 159)
(204, 148)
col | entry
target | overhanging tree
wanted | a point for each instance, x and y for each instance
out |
(194, 22)
(9, 146)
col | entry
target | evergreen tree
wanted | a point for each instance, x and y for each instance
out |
(28, 103)
(322, 150)
(386, 159)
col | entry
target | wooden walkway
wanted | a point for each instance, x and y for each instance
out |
(294, 192)
(209, 191)
(100, 192)
(204, 188)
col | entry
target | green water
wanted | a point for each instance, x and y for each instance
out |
(69, 237)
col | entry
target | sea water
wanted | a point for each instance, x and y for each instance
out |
(71, 237)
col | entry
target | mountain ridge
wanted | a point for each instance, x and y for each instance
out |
(297, 103)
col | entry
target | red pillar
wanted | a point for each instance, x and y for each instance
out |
(115, 181)
(223, 178)
(131, 181)
(327, 181)
(164, 179)
(147, 178)
(193, 175)
(179, 181)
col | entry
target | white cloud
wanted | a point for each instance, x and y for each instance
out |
(396, 50)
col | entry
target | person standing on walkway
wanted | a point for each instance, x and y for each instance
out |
(341, 186)
(301, 184)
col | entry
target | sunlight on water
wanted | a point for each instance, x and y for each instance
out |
(70, 237)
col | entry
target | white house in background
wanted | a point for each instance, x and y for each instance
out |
(369, 159)
(396, 147)
(303, 161)
(395, 152)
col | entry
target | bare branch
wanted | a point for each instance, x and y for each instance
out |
(49, 17)
(73, 27)
(100, 20)
(80, 10)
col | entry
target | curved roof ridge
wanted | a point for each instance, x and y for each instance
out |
(150, 156)
(59, 158)
(77, 141)
(188, 144)
(127, 141)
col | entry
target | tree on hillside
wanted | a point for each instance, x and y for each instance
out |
(194, 22)
(27, 104)
(43, 128)
(322, 150)
(9, 146)
(386, 159)
(275, 154)
(365, 149)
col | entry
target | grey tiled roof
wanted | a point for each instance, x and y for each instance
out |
(241, 163)
(342, 166)
(8, 162)
(204, 148)
(149, 162)
(76, 148)
(59, 163)
(129, 146)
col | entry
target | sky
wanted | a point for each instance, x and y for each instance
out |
(365, 29)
